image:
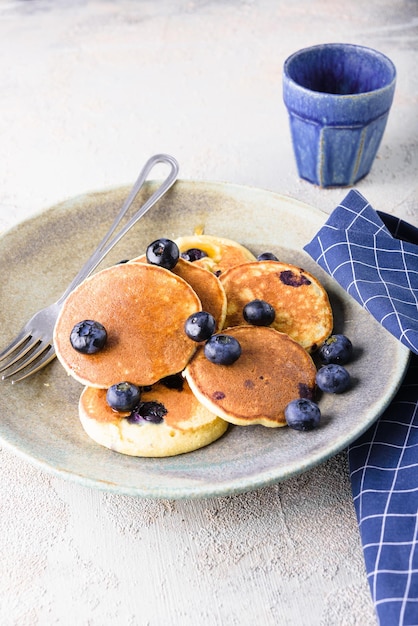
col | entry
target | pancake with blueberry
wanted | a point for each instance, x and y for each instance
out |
(271, 371)
(300, 303)
(168, 420)
(143, 309)
(206, 285)
(216, 254)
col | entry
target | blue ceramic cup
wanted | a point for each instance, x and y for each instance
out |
(338, 97)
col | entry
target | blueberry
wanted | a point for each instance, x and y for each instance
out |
(200, 326)
(88, 337)
(302, 414)
(222, 349)
(267, 256)
(193, 254)
(123, 396)
(333, 378)
(151, 411)
(336, 349)
(259, 313)
(163, 252)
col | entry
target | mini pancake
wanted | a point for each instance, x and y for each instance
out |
(143, 309)
(187, 425)
(206, 285)
(301, 304)
(272, 370)
(222, 253)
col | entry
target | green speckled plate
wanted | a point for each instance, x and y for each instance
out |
(38, 417)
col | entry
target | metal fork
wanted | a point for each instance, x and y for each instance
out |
(32, 349)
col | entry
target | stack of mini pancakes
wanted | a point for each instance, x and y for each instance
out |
(143, 308)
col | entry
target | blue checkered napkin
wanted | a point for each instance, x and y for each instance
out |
(362, 249)
(375, 258)
(384, 480)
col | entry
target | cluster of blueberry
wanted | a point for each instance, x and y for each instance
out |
(332, 377)
(302, 414)
(124, 397)
(223, 349)
(220, 348)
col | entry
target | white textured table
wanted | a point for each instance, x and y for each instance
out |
(89, 90)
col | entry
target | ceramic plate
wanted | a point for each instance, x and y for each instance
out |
(39, 417)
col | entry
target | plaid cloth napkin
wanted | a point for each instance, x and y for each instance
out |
(374, 256)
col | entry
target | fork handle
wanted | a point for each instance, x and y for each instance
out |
(106, 244)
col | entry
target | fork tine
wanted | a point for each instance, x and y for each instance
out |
(18, 341)
(37, 365)
(38, 357)
(18, 356)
